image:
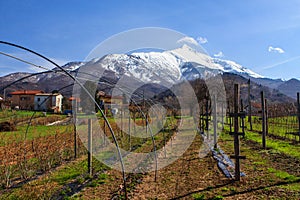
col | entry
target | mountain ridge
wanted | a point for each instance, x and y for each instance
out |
(170, 66)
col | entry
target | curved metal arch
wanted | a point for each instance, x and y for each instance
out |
(88, 93)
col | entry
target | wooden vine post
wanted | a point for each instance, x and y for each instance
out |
(222, 114)
(266, 116)
(236, 132)
(206, 117)
(249, 105)
(200, 120)
(122, 121)
(229, 117)
(263, 118)
(298, 113)
(129, 129)
(90, 145)
(215, 120)
(75, 130)
(104, 128)
(243, 118)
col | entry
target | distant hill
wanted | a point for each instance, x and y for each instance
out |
(290, 87)
(273, 95)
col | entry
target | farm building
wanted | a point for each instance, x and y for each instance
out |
(48, 102)
(109, 102)
(108, 99)
(24, 99)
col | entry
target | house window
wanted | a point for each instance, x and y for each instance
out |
(23, 98)
(39, 99)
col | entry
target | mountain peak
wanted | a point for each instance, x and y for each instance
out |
(184, 61)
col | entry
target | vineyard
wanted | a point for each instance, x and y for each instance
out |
(193, 141)
(43, 162)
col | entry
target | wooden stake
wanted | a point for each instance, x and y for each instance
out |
(200, 120)
(90, 145)
(104, 127)
(230, 119)
(266, 116)
(122, 121)
(250, 108)
(206, 118)
(222, 114)
(242, 119)
(236, 131)
(298, 108)
(129, 118)
(263, 120)
(75, 130)
(215, 120)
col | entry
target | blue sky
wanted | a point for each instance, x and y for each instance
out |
(260, 35)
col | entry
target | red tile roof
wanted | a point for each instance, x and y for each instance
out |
(26, 92)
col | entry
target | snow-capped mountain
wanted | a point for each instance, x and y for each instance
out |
(152, 67)
(171, 66)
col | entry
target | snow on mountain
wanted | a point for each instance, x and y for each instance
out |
(233, 67)
(171, 66)
(72, 66)
(148, 67)
(190, 55)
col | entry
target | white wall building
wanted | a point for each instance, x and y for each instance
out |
(48, 101)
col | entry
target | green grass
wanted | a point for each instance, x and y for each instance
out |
(7, 115)
(277, 126)
(293, 187)
(272, 174)
(218, 197)
(33, 132)
(198, 196)
(69, 172)
(278, 145)
(100, 180)
(259, 163)
(283, 175)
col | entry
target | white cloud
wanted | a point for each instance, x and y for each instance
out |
(219, 55)
(202, 40)
(189, 40)
(275, 49)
